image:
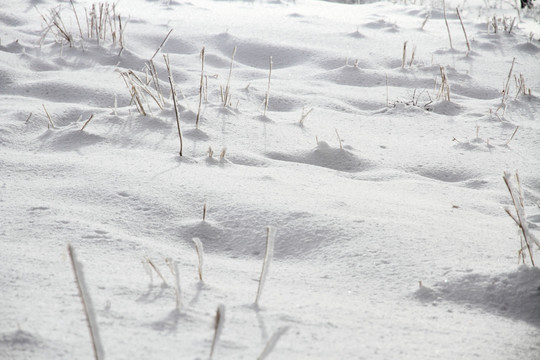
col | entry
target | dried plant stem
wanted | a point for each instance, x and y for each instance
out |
(200, 255)
(87, 304)
(200, 89)
(48, 116)
(173, 266)
(520, 217)
(227, 95)
(162, 43)
(513, 134)
(204, 206)
(78, 23)
(444, 90)
(339, 140)
(464, 32)
(404, 57)
(446, 22)
(269, 253)
(175, 104)
(87, 121)
(153, 266)
(304, 116)
(412, 56)
(267, 97)
(218, 327)
(425, 21)
(506, 89)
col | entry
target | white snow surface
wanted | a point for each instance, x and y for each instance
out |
(392, 241)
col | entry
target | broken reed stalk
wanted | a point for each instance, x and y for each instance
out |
(506, 89)
(412, 55)
(87, 121)
(175, 103)
(210, 152)
(227, 94)
(304, 116)
(425, 21)
(137, 88)
(200, 255)
(339, 139)
(513, 134)
(78, 23)
(155, 79)
(446, 22)
(269, 253)
(404, 54)
(162, 43)
(173, 266)
(87, 304)
(48, 116)
(444, 90)
(218, 327)
(464, 32)
(200, 89)
(267, 97)
(520, 218)
(153, 266)
(272, 342)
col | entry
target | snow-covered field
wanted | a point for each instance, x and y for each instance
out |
(387, 198)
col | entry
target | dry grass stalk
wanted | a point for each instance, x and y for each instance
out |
(226, 96)
(269, 253)
(218, 327)
(404, 57)
(513, 134)
(425, 21)
(506, 90)
(87, 121)
(162, 43)
(51, 124)
(272, 342)
(155, 268)
(200, 255)
(412, 56)
(444, 90)
(267, 97)
(201, 89)
(28, 118)
(446, 22)
(87, 304)
(222, 154)
(527, 238)
(464, 32)
(339, 140)
(78, 23)
(304, 115)
(521, 88)
(137, 89)
(173, 266)
(150, 69)
(175, 102)
(204, 206)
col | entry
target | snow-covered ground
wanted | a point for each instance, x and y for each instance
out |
(387, 198)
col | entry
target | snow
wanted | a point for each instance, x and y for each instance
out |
(388, 202)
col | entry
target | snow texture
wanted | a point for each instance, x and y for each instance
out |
(388, 202)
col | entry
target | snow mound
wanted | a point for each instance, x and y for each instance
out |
(515, 294)
(327, 157)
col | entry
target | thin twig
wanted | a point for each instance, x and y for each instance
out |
(162, 43)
